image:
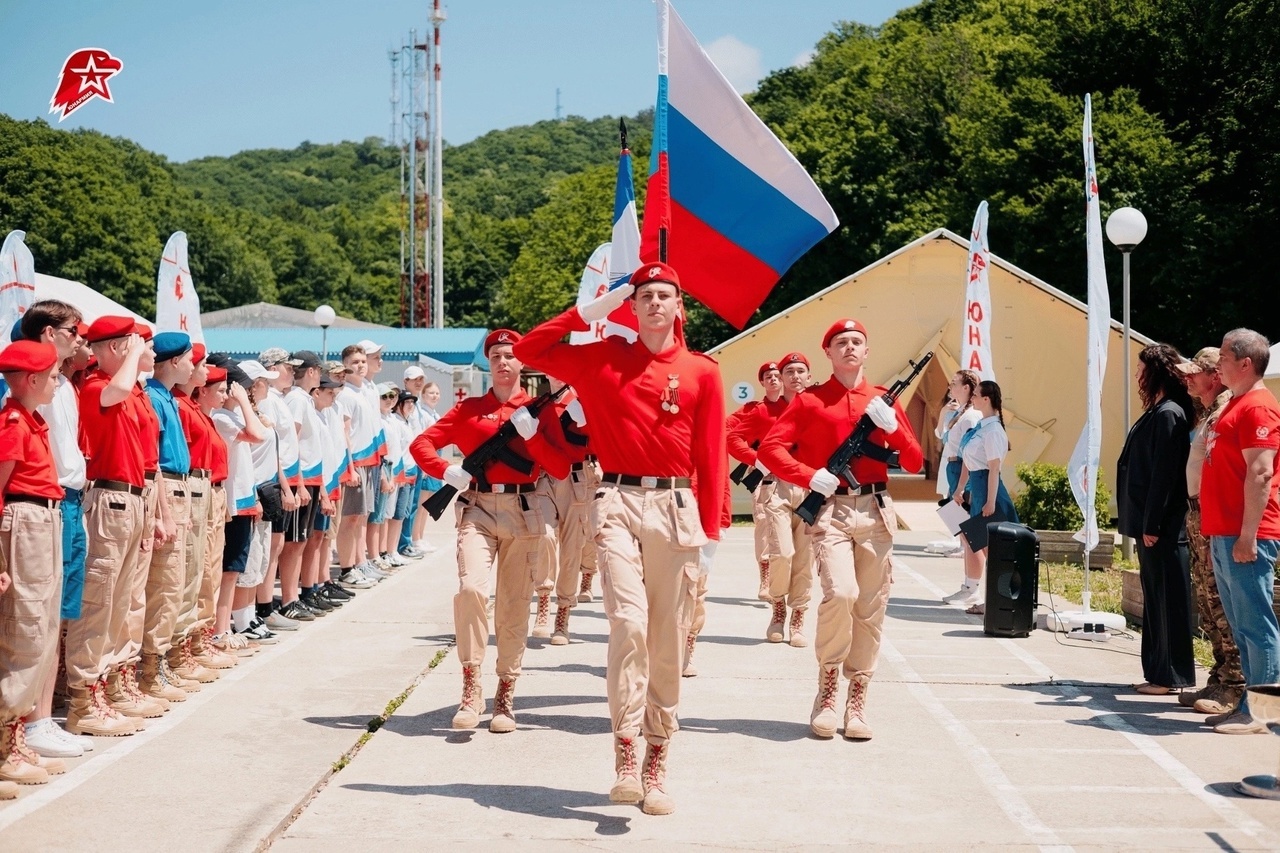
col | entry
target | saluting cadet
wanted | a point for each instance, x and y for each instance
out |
(657, 423)
(30, 555)
(503, 518)
(114, 516)
(770, 377)
(853, 533)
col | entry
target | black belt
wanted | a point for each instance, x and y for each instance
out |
(868, 489)
(648, 482)
(582, 466)
(201, 472)
(51, 503)
(118, 486)
(505, 488)
(217, 485)
(173, 475)
(150, 475)
(768, 481)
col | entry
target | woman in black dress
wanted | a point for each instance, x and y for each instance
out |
(1152, 498)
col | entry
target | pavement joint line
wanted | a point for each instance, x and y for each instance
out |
(1069, 750)
(1101, 789)
(119, 747)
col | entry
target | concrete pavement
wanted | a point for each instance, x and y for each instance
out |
(979, 742)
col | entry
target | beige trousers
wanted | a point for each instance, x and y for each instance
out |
(166, 578)
(128, 644)
(113, 527)
(648, 556)
(852, 543)
(215, 536)
(198, 493)
(31, 552)
(791, 570)
(517, 533)
(572, 497)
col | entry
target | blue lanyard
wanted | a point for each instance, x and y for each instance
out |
(968, 436)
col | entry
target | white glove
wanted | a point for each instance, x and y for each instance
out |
(457, 476)
(760, 467)
(882, 414)
(525, 423)
(824, 482)
(575, 412)
(707, 556)
(605, 304)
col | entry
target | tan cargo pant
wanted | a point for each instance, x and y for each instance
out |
(852, 543)
(517, 533)
(791, 563)
(572, 497)
(215, 537)
(128, 644)
(113, 527)
(166, 578)
(31, 552)
(648, 555)
(198, 493)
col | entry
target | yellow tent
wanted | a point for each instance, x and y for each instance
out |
(912, 301)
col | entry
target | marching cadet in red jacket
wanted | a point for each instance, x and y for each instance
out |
(853, 533)
(657, 423)
(782, 539)
(502, 519)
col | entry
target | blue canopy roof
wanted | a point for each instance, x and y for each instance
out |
(452, 346)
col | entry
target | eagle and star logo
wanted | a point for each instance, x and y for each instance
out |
(84, 77)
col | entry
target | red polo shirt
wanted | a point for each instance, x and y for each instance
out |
(198, 429)
(623, 386)
(24, 440)
(1248, 422)
(476, 419)
(112, 435)
(818, 420)
(150, 422)
(750, 424)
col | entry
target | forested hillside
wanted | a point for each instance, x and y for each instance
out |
(905, 127)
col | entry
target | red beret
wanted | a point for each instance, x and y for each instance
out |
(198, 353)
(107, 327)
(82, 329)
(27, 357)
(656, 271)
(216, 375)
(841, 326)
(765, 368)
(142, 330)
(794, 358)
(500, 336)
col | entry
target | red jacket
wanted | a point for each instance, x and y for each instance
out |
(750, 424)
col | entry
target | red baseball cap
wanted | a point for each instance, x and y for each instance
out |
(27, 357)
(500, 336)
(765, 368)
(107, 327)
(656, 271)
(840, 327)
(794, 358)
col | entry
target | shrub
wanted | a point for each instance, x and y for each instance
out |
(1047, 503)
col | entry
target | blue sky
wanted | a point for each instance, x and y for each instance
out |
(218, 76)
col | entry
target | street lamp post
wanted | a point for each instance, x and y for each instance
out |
(324, 317)
(1126, 228)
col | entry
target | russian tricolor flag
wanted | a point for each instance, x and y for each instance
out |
(732, 205)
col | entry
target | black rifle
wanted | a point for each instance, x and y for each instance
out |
(494, 449)
(857, 445)
(746, 475)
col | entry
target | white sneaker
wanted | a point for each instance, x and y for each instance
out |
(370, 571)
(964, 593)
(42, 736)
(425, 547)
(396, 560)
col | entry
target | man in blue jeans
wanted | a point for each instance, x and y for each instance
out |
(1240, 514)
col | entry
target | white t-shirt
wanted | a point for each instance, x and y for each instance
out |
(366, 422)
(276, 410)
(311, 436)
(990, 442)
(63, 417)
(397, 436)
(963, 422)
(266, 453)
(335, 454)
(241, 493)
(407, 463)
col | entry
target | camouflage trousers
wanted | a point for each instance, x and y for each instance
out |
(1213, 620)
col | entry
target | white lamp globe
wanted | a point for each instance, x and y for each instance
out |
(324, 316)
(1126, 227)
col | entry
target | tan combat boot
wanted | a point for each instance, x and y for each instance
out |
(798, 639)
(125, 702)
(153, 706)
(88, 713)
(689, 670)
(775, 633)
(542, 621)
(188, 685)
(15, 766)
(560, 637)
(152, 681)
(654, 775)
(504, 707)
(52, 765)
(8, 790)
(855, 721)
(1219, 699)
(1188, 698)
(626, 788)
(584, 589)
(468, 715)
(822, 721)
(183, 662)
(764, 594)
(205, 653)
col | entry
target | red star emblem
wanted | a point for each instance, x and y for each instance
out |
(84, 77)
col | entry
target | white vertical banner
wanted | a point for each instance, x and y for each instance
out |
(975, 347)
(1082, 469)
(594, 283)
(177, 304)
(17, 282)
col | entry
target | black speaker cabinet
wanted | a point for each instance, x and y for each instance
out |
(1013, 580)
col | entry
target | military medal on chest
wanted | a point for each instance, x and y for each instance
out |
(671, 394)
